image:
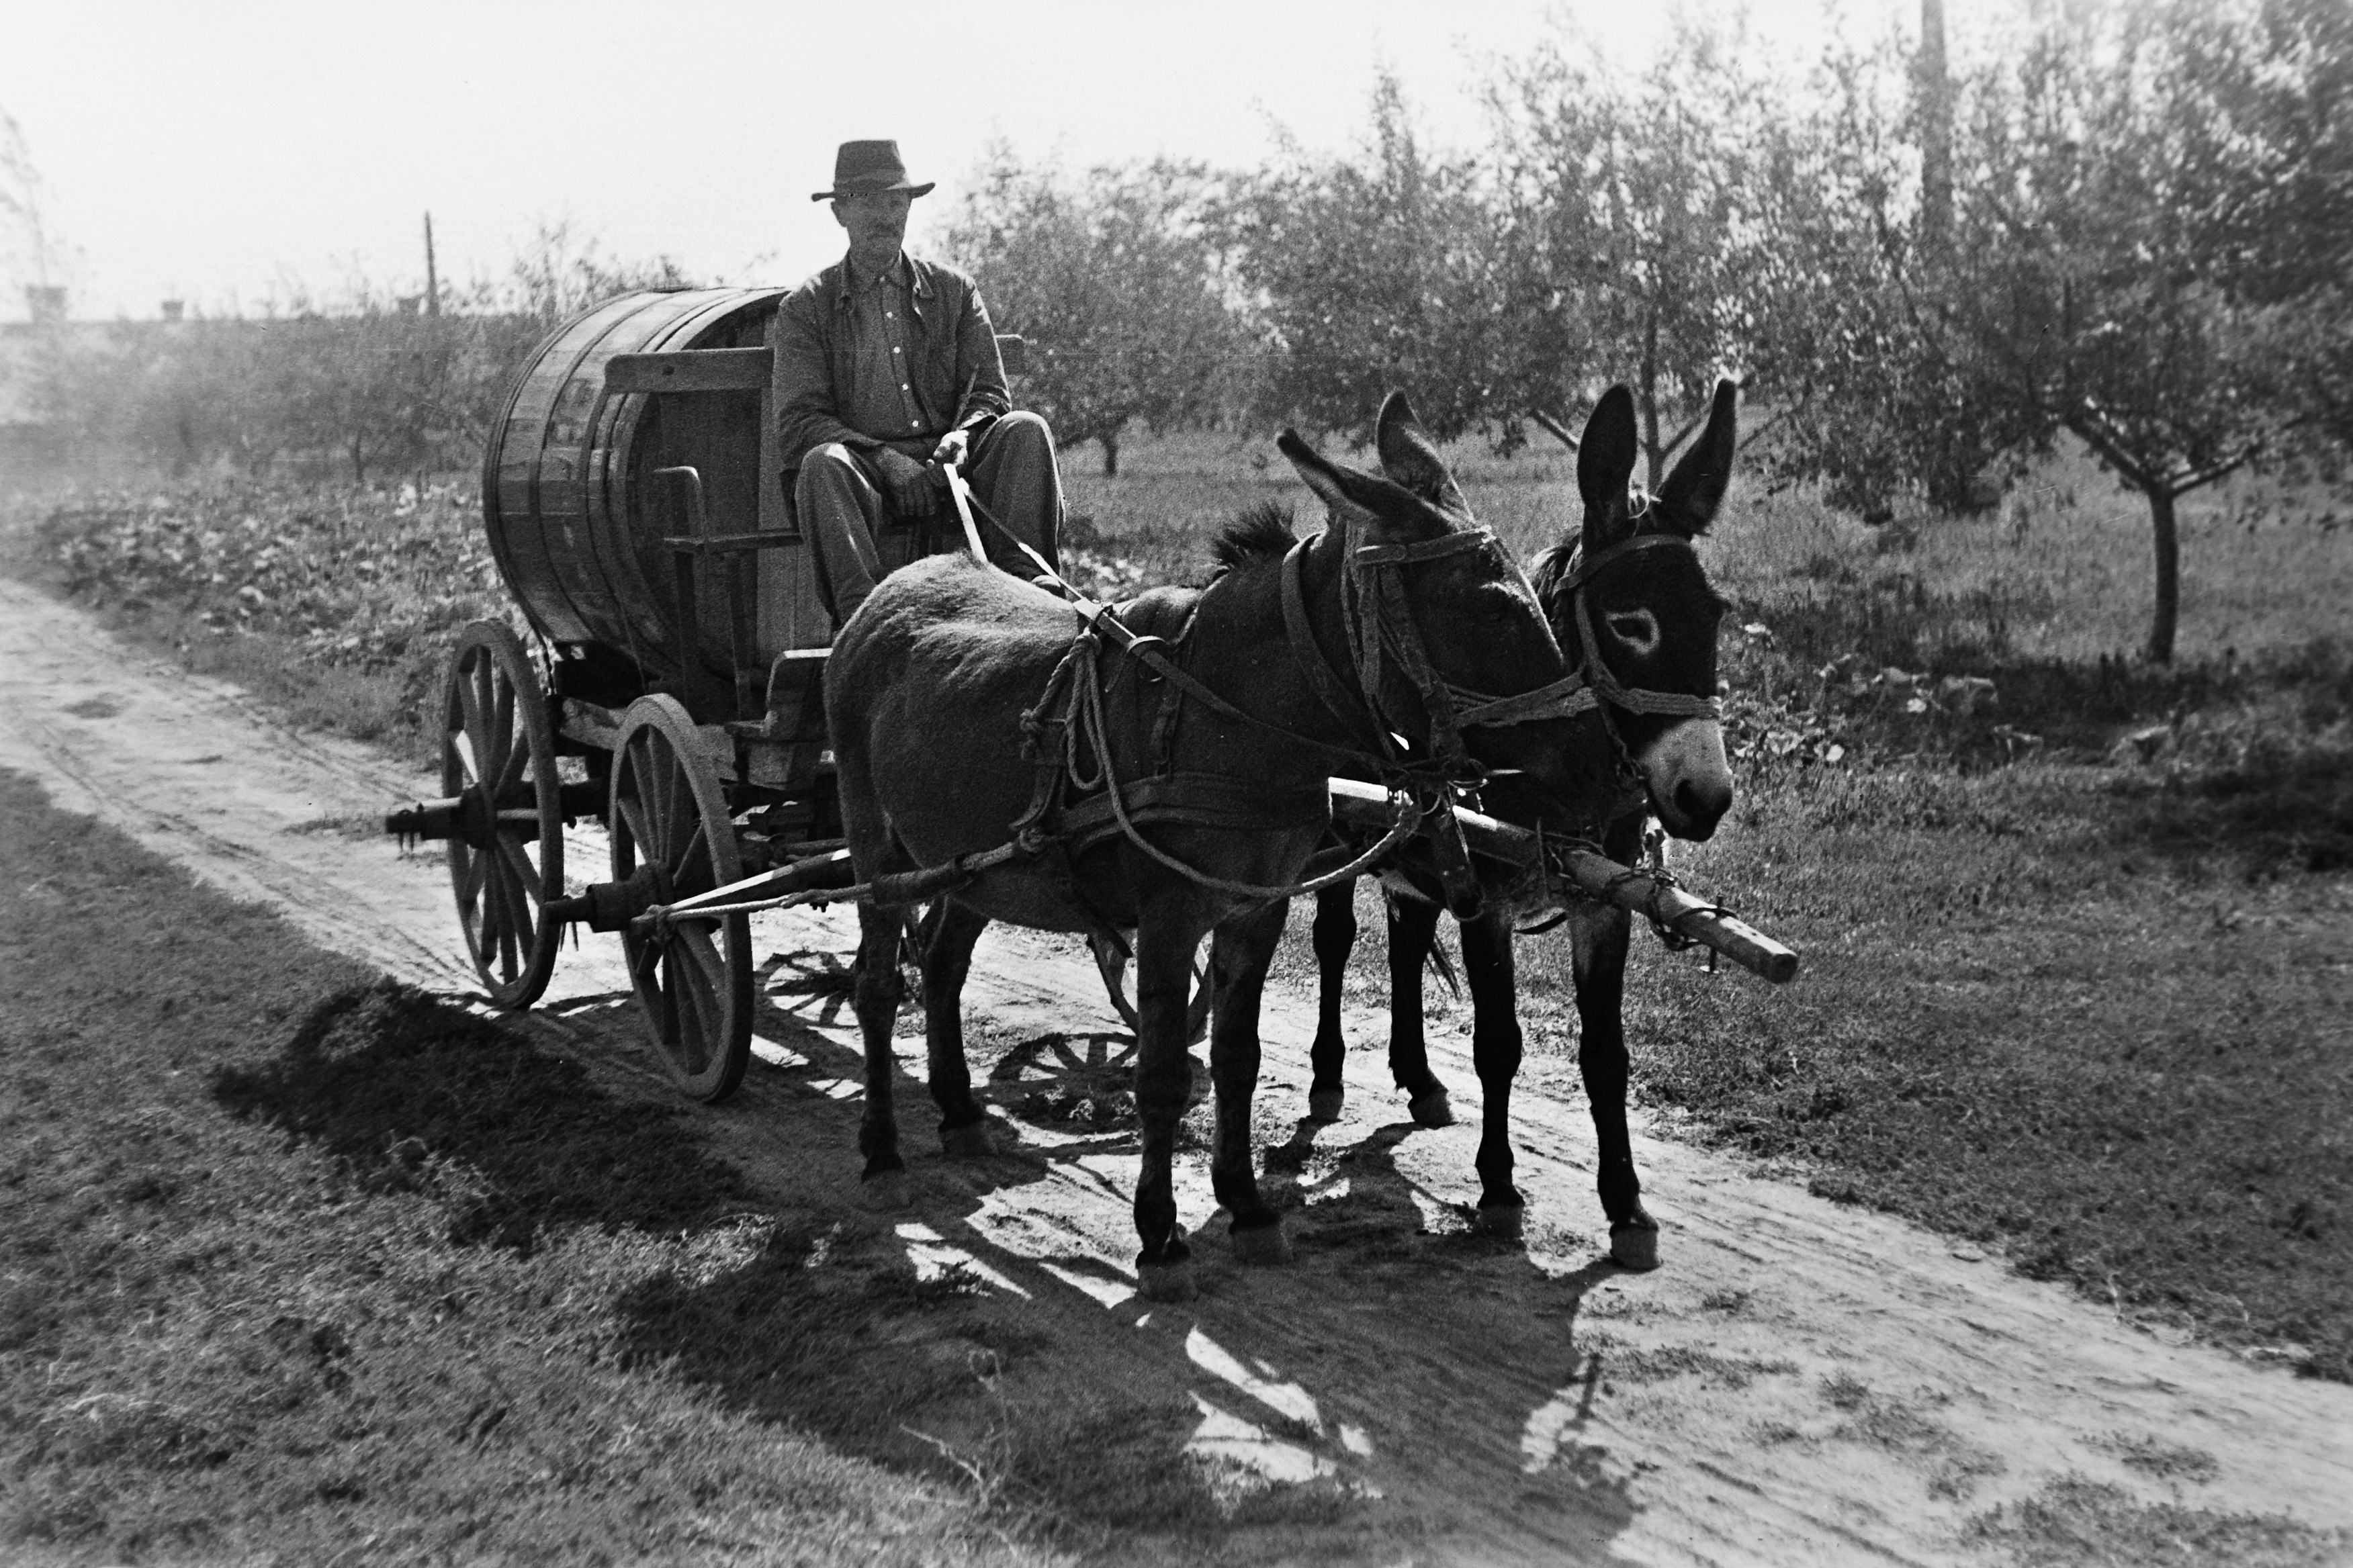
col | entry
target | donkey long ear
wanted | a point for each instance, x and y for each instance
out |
(1605, 467)
(1410, 458)
(1386, 509)
(1692, 493)
(1330, 481)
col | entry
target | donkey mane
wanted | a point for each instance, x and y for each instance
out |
(1259, 531)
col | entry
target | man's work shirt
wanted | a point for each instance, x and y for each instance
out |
(882, 392)
(899, 359)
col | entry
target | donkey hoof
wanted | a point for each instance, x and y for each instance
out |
(885, 1190)
(1430, 1107)
(1326, 1104)
(970, 1141)
(1634, 1244)
(1168, 1281)
(1262, 1244)
(1505, 1222)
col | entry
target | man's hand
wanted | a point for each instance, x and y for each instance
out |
(952, 447)
(908, 482)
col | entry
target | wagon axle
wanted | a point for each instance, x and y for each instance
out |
(467, 816)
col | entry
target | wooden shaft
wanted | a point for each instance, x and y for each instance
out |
(1597, 876)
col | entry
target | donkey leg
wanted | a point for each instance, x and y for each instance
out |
(1413, 930)
(1335, 935)
(877, 992)
(1169, 930)
(1599, 938)
(1495, 1053)
(1239, 953)
(963, 1127)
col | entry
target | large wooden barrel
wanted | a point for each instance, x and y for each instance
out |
(576, 522)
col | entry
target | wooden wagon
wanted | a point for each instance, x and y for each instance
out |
(641, 512)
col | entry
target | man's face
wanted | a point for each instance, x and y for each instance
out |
(876, 222)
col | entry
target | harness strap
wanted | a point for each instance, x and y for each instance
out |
(1674, 704)
(1307, 653)
(1563, 699)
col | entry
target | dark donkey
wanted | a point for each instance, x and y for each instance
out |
(1626, 597)
(1211, 750)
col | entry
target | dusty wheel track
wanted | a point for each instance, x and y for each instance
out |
(1507, 1404)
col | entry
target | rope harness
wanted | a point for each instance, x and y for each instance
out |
(1070, 722)
(1068, 725)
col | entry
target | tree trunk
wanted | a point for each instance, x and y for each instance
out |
(1656, 459)
(2167, 540)
(1111, 454)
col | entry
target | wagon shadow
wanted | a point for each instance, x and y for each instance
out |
(408, 1092)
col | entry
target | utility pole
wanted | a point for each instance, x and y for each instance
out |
(1936, 102)
(433, 282)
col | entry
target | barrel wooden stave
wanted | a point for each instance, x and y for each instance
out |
(576, 523)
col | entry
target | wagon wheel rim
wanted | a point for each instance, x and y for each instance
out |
(506, 863)
(693, 985)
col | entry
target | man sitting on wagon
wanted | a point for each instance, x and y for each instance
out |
(884, 362)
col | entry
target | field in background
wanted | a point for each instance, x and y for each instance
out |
(2076, 926)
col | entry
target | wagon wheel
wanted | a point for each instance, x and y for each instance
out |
(506, 853)
(1112, 958)
(670, 824)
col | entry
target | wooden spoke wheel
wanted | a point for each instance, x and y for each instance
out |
(671, 828)
(506, 849)
(1112, 958)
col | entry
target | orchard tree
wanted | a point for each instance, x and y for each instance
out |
(2148, 231)
(2139, 242)
(1641, 222)
(1114, 282)
(1373, 272)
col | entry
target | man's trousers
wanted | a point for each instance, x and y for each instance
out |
(843, 510)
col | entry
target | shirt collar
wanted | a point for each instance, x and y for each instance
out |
(852, 280)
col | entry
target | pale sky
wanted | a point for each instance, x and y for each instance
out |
(210, 150)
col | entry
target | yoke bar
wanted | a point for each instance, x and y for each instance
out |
(1598, 877)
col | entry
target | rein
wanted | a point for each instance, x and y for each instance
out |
(1378, 622)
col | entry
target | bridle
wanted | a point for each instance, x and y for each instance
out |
(1378, 623)
(1602, 689)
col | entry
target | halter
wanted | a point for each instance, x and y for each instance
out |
(1378, 622)
(1604, 688)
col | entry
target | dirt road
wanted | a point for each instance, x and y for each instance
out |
(1799, 1383)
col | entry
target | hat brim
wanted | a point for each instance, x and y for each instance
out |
(909, 187)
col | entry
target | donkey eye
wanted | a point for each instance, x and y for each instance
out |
(1637, 629)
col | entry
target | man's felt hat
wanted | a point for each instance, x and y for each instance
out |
(870, 166)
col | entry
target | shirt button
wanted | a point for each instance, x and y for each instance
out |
(895, 351)
(903, 386)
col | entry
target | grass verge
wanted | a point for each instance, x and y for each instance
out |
(296, 1264)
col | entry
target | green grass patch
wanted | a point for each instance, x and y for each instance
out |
(294, 1262)
(2123, 1068)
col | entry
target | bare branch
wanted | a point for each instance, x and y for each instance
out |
(2197, 477)
(2103, 437)
(1555, 428)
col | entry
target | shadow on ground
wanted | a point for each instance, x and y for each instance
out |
(411, 1093)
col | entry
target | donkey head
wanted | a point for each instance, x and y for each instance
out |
(1476, 617)
(1649, 615)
